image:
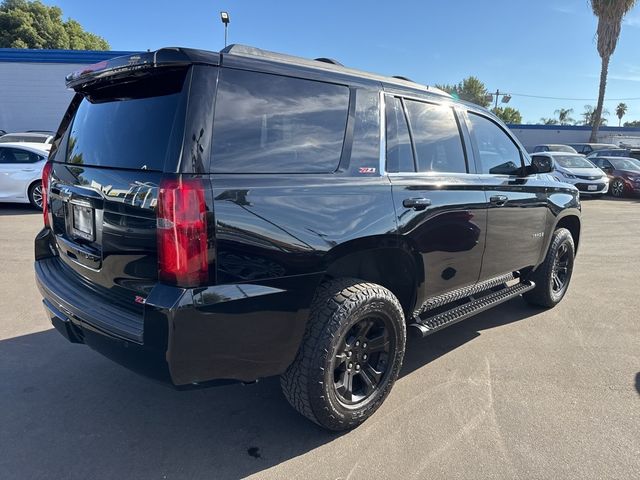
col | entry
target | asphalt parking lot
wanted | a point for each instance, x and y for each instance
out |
(516, 392)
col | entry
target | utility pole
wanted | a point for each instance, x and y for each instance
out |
(224, 17)
(496, 97)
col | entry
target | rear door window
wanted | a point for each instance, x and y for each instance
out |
(268, 123)
(436, 137)
(399, 150)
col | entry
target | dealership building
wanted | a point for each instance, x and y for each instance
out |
(33, 96)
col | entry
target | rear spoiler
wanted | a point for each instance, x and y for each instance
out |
(125, 65)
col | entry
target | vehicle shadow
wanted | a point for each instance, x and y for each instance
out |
(67, 412)
(638, 382)
(18, 209)
(421, 351)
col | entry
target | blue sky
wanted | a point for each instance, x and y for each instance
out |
(542, 47)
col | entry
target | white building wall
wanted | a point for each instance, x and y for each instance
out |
(33, 96)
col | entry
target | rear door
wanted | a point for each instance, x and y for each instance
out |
(440, 206)
(120, 139)
(517, 204)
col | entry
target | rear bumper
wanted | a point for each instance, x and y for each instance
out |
(187, 336)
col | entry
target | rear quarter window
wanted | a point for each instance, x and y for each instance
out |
(268, 123)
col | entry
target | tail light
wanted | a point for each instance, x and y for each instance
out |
(182, 232)
(46, 174)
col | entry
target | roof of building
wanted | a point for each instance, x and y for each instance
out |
(603, 128)
(27, 55)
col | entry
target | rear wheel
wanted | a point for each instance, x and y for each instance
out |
(553, 276)
(350, 356)
(35, 195)
(617, 188)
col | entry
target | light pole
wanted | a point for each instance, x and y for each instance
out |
(505, 97)
(224, 16)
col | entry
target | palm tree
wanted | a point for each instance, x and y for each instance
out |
(621, 109)
(563, 116)
(610, 14)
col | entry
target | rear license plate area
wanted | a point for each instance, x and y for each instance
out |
(83, 222)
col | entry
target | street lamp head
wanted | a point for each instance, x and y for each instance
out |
(224, 16)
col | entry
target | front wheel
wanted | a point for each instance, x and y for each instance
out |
(617, 188)
(350, 356)
(552, 277)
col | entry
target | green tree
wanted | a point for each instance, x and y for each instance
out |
(508, 115)
(470, 89)
(634, 123)
(563, 116)
(589, 116)
(32, 24)
(621, 109)
(548, 121)
(610, 14)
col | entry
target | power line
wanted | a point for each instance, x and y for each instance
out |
(574, 99)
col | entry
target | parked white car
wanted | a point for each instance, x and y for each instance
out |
(21, 172)
(43, 138)
(575, 169)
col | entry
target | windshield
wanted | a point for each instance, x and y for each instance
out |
(23, 138)
(571, 161)
(562, 148)
(625, 164)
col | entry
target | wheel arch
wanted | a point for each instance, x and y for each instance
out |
(572, 223)
(390, 266)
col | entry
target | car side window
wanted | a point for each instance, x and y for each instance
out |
(399, 152)
(497, 153)
(436, 137)
(16, 155)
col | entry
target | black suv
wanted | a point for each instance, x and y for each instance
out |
(242, 214)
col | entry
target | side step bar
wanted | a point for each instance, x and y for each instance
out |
(429, 324)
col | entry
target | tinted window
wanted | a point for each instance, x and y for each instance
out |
(436, 138)
(16, 155)
(272, 124)
(133, 125)
(399, 153)
(498, 154)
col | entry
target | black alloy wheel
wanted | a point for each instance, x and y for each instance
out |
(362, 360)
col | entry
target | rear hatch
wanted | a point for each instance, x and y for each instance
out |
(120, 134)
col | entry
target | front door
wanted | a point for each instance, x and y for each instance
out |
(517, 204)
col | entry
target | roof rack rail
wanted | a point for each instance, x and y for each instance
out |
(328, 60)
(406, 79)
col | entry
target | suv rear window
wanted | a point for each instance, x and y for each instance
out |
(274, 124)
(131, 124)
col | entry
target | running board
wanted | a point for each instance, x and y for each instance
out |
(427, 325)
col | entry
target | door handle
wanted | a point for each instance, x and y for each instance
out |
(416, 203)
(499, 200)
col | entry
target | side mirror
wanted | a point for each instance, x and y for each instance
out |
(541, 164)
(606, 169)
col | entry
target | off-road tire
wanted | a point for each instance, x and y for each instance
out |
(544, 294)
(338, 307)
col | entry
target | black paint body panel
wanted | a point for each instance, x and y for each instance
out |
(272, 238)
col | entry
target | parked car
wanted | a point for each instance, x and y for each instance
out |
(575, 169)
(21, 167)
(550, 147)
(623, 173)
(298, 230)
(609, 152)
(27, 137)
(587, 148)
